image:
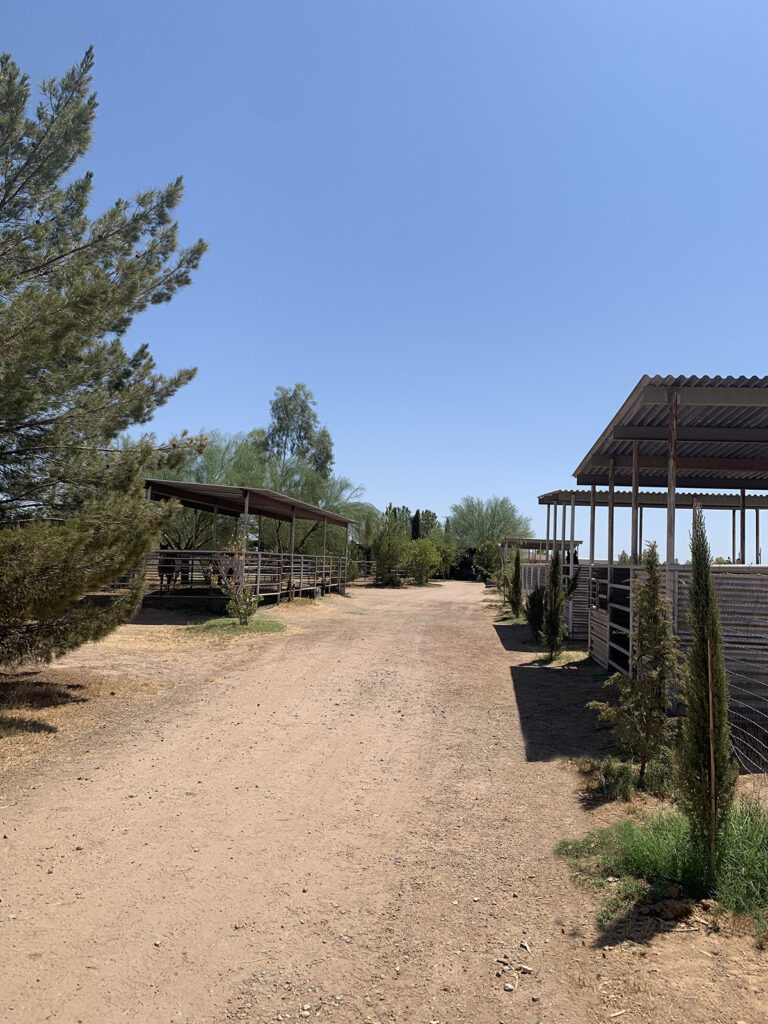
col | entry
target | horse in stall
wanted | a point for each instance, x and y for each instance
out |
(168, 569)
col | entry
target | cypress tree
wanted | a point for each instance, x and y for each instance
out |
(73, 515)
(705, 768)
(554, 629)
(516, 589)
(639, 719)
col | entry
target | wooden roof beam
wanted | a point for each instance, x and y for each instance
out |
(698, 483)
(660, 462)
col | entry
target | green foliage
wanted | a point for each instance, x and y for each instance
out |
(617, 779)
(533, 609)
(424, 560)
(623, 558)
(221, 628)
(639, 717)
(705, 769)
(553, 630)
(657, 850)
(294, 430)
(242, 599)
(487, 559)
(391, 547)
(474, 520)
(353, 570)
(73, 515)
(516, 587)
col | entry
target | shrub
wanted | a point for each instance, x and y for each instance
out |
(243, 600)
(487, 559)
(516, 587)
(425, 560)
(553, 631)
(353, 570)
(534, 612)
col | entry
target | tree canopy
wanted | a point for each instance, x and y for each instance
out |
(72, 512)
(475, 520)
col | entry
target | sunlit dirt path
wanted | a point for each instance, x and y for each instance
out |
(354, 826)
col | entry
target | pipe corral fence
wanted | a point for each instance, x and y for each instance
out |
(693, 439)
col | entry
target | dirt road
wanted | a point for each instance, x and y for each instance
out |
(353, 824)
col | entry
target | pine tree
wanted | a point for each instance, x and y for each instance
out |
(73, 514)
(516, 589)
(639, 719)
(705, 768)
(553, 632)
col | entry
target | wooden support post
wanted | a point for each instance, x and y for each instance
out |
(733, 537)
(571, 554)
(611, 501)
(562, 543)
(245, 537)
(671, 484)
(758, 556)
(325, 540)
(554, 528)
(743, 529)
(634, 552)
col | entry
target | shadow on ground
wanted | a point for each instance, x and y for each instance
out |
(26, 690)
(551, 701)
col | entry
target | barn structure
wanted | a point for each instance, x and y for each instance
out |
(690, 440)
(191, 574)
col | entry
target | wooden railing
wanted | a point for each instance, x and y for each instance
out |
(188, 574)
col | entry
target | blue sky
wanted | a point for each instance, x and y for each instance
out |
(469, 227)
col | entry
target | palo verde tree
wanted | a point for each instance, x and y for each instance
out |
(705, 769)
(474, 520)
(72, 510)
(553, 630)
(639, 718)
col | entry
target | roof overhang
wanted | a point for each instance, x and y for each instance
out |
(653, 499)
(231, 501)
(722, 435)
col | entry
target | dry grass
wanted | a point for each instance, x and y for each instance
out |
(38, 705)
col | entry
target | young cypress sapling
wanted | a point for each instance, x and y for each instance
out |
(639, 719)
(554, 629)
(705, 770)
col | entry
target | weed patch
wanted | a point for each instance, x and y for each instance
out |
(223, 628)
(634, 862)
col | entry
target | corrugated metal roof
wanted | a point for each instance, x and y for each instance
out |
(655, 499)
(732, 428)
(231, 500)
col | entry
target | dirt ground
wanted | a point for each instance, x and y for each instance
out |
(352, 821)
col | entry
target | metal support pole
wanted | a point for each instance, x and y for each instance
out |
(743, 528)
(591, 526)
(293, 530)
(640, 532)
(671, 484)
(194, 528)
(245, 537)
(215, 517)
(733, 537)
(758, 556)
(634, 554)
(546, 543)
